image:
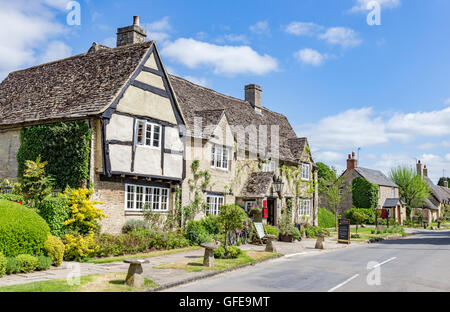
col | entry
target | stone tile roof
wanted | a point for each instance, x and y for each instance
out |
(209, 121)
(193, 99)
(375, 177)
(429, 205)
(77, 86)
(392, 202)
(436, 190)
(257, 184)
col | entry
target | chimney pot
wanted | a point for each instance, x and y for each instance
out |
(419, 168)
(425, 171)
(136, 20)
(446, 183)
(352, 162)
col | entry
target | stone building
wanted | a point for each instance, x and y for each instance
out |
(388, 193)
(149, 127)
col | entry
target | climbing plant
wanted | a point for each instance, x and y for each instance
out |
(65, 146)
(364, 193)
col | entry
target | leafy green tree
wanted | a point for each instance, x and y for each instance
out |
(441, 181)
(325, 175)
(413, 188)
(359, 217)
(35, 184)
(335, 191)
(231, 217)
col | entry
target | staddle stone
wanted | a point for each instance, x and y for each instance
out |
(269, 246)
(320, 241)
(135, 277)
(208, 260)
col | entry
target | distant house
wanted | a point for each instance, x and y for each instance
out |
(446, 191)
(388, 192)
(433, 205)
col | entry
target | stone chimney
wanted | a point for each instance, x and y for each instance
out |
(425, 171)
(131, 34)
(253, 95)
(446, 183)
(419, 168)
(352, 162)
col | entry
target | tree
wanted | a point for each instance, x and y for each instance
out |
(441, 181)
(413, 188)
(325, 174)
(35, 184)
(335, 191)
(359, 217)
(231, 217)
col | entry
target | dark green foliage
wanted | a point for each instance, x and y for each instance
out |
(211, 224)
(12, 197)
(365, 194)
(196, 233)
(44, 263)
(312, 231)
(55, 211)
(368, 213)
(22, 231)
(326, 218)
(12, 265)
(441, 181)
(3, 264)
(271, 230)
(65, 146)
(325, 176)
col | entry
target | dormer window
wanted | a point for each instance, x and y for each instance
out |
(219, 157)
(306, 172)
(148, 134)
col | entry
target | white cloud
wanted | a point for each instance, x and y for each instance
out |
(447, 101)
(233, 39)
(342, 36)
(56, 50)
(226, 60)
(25, 27)
(310, 57)
(158, 30)
(303, 29)
(361, 5)
(110, 42)
(260, 28)
(199, 81)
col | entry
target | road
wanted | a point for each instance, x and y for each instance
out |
(417, 263)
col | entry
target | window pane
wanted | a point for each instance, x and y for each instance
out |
(156, 135)
(225, 158)
(156, 199)
(213, 155)
(140, 133)
(164, 199)
(148, 136)
(148, 198)
(139, 197)
(130, 197)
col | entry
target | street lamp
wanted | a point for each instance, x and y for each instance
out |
(278, 185)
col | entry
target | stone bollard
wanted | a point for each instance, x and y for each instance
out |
(135, 277)
(269, 246)
(208, 260)
(320, 241)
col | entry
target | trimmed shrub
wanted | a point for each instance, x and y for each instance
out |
(369, 218)
(271, 230)
(176, 240)
(55, 211)
(78, 247)
(12, 265)
(312, 231)
(3, 262)
(28, 263)
(135, 224)
(54, 248)
(44, 263)
(219, 253)
(326, 218)
(12, 197)
(196, 233)
(22, 231)
(230, 252)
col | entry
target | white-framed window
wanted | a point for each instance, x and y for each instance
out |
(304, 207)
(219, 157)
(306, 172)
(249, 205)
(214, 203)
(148, 134)
(138, 197)
(268, 166)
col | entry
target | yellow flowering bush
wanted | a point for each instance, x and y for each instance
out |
(55, 249)
(78, 246)
(84, 216)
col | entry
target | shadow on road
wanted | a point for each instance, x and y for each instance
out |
(438, 238)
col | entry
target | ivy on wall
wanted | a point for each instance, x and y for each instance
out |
(66, 148)
(364, 194)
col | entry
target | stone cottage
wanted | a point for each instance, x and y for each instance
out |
(388, 193)
(149, 127)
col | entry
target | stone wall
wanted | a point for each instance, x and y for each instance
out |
(9, 145)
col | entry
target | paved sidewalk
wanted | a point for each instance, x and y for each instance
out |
(161, 276)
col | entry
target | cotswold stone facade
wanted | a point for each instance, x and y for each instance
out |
(148, 127)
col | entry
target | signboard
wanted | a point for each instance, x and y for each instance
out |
(266, 213)
(344, 231)
(260, 230)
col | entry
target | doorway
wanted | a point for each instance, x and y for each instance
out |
(271, 210)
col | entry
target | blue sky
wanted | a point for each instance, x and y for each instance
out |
(341, 82)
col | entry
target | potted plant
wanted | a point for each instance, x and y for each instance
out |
(288, 232)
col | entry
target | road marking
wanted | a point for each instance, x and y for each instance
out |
(380, 264)
(342, 284)
(296, 254)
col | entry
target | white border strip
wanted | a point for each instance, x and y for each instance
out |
(342, 284)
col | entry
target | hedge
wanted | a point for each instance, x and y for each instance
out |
(326, 218)
(367, 212)
(64, 145)
(364, 193)
(55, 211)
(22, 230)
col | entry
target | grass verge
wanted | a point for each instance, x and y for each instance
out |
(141, 255)
(365, 234)
(220, 264)
(114, 282)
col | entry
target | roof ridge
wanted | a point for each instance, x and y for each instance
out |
(80, 55)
